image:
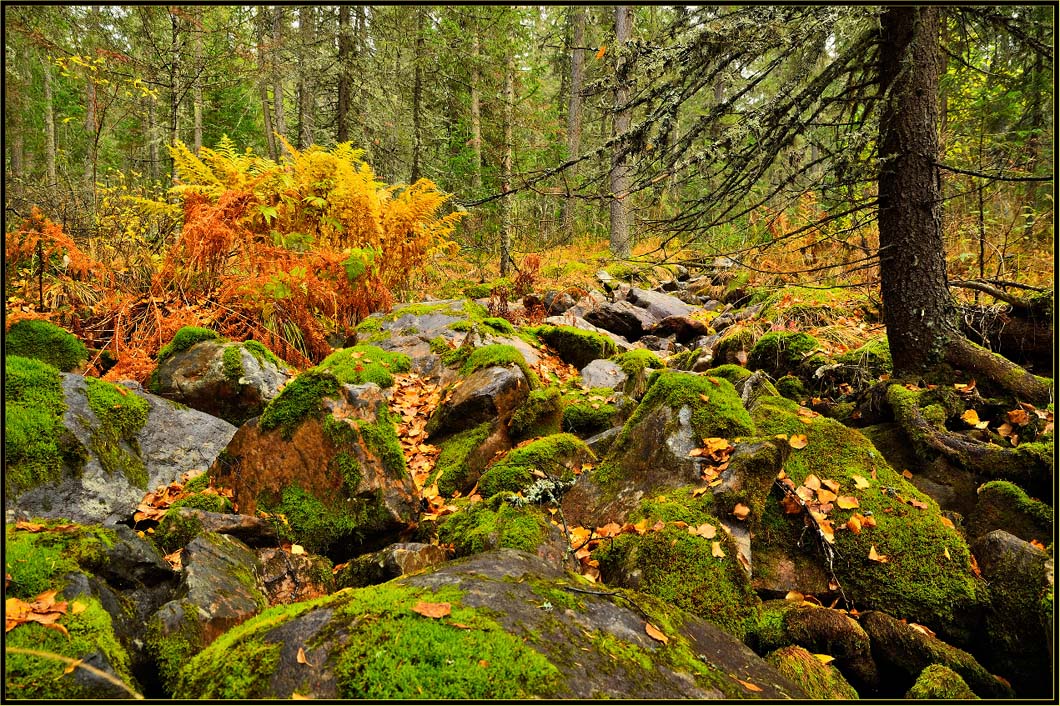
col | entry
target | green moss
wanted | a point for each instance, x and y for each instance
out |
(38, 679)
(634, 361)
(184, 339)
(263, 354)
(716, 407)
(1004, 505)
(462, 326)
(172, 650)
(575, 346)
(736, 374)
(489, 356)
(365, 363)
(208, 502)
(588, 412)
(232, 363)
(728, 348)
(477, 291)
(298, 401)
(439, 345)
(791, 387)
(539, 415)
(317, 525)
(875, 356)
(482, 526)
(44, 341)
(175, 531)
(451, 470)
(919, 582)
(680, 568)
(381, 438)
(197, 484)
(549, 455)
(120, 417)
(499, 325)
(819, 681)
(37, 561)
(780, 352)
(684, 360)
(938, 681)
(33, 430)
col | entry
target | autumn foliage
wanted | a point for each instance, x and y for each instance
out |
(286, 253)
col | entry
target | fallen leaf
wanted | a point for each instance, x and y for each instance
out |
(600, 53)
(715, 549)
(846, 502)
(831, 485)
(854, 525)
(1018, 417)
(300, 697)
(798, 441)
(705, 530)
(907, 474)
(297, 549)
(483, 663)
(812, 482)
(825, 496)
(77, 662)
(749, 686)
(703, 397)
(874, 556)
(77, 607)
(946, 522)
(1037, 545)
(794, 596)
(970, 417)
(859, 482)
(461, 626)
(946, 552)
(655, 633)
(741, 511)
(432, 610)
(824, 659)
(696, 492)
(301, 658)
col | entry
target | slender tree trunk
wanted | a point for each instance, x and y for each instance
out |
(49, 124)
(174, 85)
(90, 131)
(342, 127)
(476, 112)
(278, 123)
(417, 98)
(620, 239)
(263, 82)
(196, 96)
(574, 111)
(918, 310)
(152, 139)
(506, 164)
(306, 98)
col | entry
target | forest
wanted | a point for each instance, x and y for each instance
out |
(505, 352)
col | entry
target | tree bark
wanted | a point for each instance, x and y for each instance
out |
(278, 123)
(918, 311)
(154, 163)
(49, 124)
(175, 50)
(263, 82)
(417, 98)
(342, 127)
(196, 96)
(506, 164)
(476, 113)
(620, 239)
(306, 98)
(574, 111)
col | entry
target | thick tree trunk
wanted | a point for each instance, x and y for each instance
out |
(342, 127)
(306, 98)
(49, 124)
(620, 240)
(417, 98)
(506, 164)
(918, 310)
(574, 110)
(279, 125)
(476, 113)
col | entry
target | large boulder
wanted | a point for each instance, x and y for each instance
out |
(233, 381)
(499, 625)
(576, 346)
(490, 393)
(95, 448)
(579, 323)
(658, 304)
(324, 455)
(622, 318)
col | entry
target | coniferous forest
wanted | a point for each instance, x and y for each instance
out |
(505, 352)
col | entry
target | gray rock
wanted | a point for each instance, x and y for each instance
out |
(174, 440)
(198, 378)
(557, 302)
(290, 578)
(389, 563)
(250, 529)
(487, 394)
(622, 318)
(603, 373)
(555, 621)
(658, 344)
(600, 443)
(682, 328)
(660, 305)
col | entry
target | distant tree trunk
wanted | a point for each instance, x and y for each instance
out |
(278, 123)
(342, 128)
(90, 131)
(918, 310)
(175, 50)
(506, 164)
(49, 124)
(196, 96)
(476, 113)
(152, 139)
(574, 110)
(263, 82)
(417, 98)
(620, 240)
(305, 78)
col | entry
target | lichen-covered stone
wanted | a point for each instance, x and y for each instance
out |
(576, 346)
(937, 682)
(552, 456)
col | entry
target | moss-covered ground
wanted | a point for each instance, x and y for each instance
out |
(44, 341)
(34, 448)
(366, 363)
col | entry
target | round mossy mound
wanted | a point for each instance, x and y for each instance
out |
(43, 340)
(493, 524)
(588, 412)
(782, 353)
(820, 681)
(365, 363)
(549, 455)
(937, 681)
(575, 346)
(499, 354)
(184, 339)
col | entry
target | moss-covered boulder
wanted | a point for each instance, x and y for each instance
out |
(938, 682)
(589, 412)
(364, 363)
(539, 415)
(487, 394)
(927, 576)
(873, 358)
(1005, 506)
(510, 627)
(554, 456)
(782, 353)
(820, 681)
(501, 523)
(903, 652)
(637, 365)
(699, 573)
(44, 341)
(290, 578)
(233, 381)
(326, 457)
(734, 347)
(464, 456)
(88, 450)
(576, 346)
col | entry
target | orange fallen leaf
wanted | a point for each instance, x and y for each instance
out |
(798, 441)
(907, 474)
(749, 686)
(741, 511)
(859, 482)
(483, 663)
(301, 658)
(825, 496)
(461, 626)
(1018, 417)
(1037, 545)
(432, 610)
(831, 485)
(655, 633)
(854, 524)
(847, 502)
(874, 556)
(600, 53)
(703, 397)
(705, 530)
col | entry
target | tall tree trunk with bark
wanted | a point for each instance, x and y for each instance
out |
(196, 94)
(417, 97)
(574, 110)
(49, 124)
(476, 112)
(262, 22)
(278, 123)
(506, 164)
(620, 239)
(342, 127)
(306, 96)
(175, 87)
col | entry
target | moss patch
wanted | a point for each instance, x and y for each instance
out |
(819, 681)
(494, 524)
(318, 526)
(499, 354)
(44, 341)
(539, 415)
(184, 339)
(300, 400)
(175, 531)
(365, 363)
(588, 412)
(121, 415)
(736, 374)
(938, 681)
(549, 455)
(783, 353)
(634, 361)
(874, 356)
(451, 470)
(575, 346)
(33, 430)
